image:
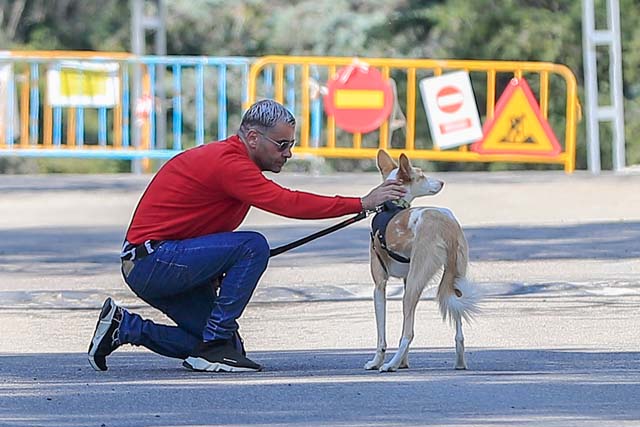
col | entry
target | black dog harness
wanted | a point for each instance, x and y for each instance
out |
(379, 227)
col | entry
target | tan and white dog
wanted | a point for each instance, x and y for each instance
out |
(426, 240)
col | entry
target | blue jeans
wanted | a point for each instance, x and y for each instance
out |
(177, 279)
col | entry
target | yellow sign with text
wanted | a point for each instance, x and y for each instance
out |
(83, 84)
(80, 83)
(518, 126)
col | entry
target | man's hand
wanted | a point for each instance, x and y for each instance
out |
(388, 190)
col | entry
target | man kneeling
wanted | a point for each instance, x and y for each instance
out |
(182, 256)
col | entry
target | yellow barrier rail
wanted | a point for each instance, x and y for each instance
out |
(412, 69)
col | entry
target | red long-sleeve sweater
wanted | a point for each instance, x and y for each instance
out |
(209, 189)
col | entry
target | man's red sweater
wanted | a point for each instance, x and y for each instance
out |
(209, 189)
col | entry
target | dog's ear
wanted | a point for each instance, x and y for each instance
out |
(385, 163)
(404, 173)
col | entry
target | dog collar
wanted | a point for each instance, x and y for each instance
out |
(400, 203)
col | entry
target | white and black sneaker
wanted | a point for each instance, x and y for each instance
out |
(219, 356)
(106, 335)
(238, 343)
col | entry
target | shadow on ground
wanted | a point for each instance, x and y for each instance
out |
(612, 240)
(504, 387)
(99, 246)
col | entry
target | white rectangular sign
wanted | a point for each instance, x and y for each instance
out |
(451, 109)
(83, 84)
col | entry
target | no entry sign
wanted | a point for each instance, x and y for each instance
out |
(451, 109)
(359, 98)
(449, 99)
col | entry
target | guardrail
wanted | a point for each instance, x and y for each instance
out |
(319, 136)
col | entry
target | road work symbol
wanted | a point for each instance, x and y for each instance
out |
(517, 132)
(518, 126)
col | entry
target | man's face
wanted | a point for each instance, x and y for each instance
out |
(273, 147)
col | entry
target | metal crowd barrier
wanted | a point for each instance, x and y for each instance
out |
(153, 107)
(319, 136)
(157, 106)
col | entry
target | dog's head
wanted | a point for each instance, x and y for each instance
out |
(416, 182)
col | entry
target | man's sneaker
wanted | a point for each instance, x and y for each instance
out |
(238, 343)
(217, 356)
(106, 336)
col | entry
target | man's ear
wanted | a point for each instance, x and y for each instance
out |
(404, 173)
(251, 138)
(385, 163)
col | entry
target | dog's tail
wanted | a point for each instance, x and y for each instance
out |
(458, 298)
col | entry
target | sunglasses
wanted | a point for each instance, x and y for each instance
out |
(282, 145)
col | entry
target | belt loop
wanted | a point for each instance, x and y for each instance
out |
(128, 251)
(148, 247)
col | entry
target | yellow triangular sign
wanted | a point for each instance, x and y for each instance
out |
(517, 126)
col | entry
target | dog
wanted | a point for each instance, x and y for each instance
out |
(416, 245)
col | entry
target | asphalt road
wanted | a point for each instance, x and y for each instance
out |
(557, 343)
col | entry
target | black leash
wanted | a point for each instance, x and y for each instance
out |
(300, 242)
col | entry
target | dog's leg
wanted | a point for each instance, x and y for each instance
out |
(409, 303)
(380, 302)
(412, 292)
(460, 363)
(404, 363)
(461, 265)
(431, 255)
(380, 278)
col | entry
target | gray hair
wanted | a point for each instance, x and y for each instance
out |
(266, 114)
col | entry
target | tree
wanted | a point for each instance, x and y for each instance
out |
(523, 30)
(64, 24)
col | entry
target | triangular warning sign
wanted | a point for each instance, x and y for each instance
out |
(517, 126)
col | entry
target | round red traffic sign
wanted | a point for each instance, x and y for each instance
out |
(359, 98)
(449, 99)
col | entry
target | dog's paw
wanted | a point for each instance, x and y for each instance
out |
(388, 367)
(375, 362)
(372, 364)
